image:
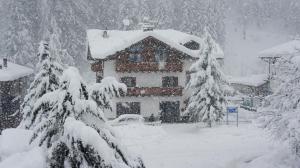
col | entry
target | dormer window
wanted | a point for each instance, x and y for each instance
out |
(193, 45)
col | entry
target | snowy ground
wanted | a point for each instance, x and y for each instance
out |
(174, 146)
(189, 146)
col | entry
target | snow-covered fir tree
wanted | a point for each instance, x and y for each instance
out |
(20, 33)
(28, 21)
(45, 81)
(280, 113)
(207, 83)
(74, 130)
(127, 11)
(61, 55)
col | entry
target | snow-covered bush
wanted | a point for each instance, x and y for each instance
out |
(207, 103)
(281, 111)
(45, 81)
(75, 132)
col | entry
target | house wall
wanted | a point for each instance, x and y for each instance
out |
(11, 95)
(149, 104)
(143, 61)
(146, 79)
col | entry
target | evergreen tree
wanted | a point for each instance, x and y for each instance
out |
(207, 103)
(127, 10)
(45, 81)
(163, 14)
(280, 113)
(75, 131)
(20, 37)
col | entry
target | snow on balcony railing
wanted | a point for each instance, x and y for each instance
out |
(154, 91)
(148, 67)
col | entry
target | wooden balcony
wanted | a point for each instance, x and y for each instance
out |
(154, 91)
(148, 67)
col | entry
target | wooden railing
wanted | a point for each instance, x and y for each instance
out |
(148, 67)
(154, 91)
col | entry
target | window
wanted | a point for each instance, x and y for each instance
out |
(160, 54)
(135, 57)
(135, 53)
(128, 108)
(129, 81)
(136, 48)
(170, 81)
(193, 45)
(170, 111)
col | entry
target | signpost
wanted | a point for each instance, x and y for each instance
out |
(233, 110)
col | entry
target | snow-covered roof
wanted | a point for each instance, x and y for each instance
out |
(117, 40)
(287, 49)
(252, 80)
(13, 71)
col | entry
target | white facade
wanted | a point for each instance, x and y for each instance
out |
(148, 104)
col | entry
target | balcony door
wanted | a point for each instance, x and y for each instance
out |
(169, 111)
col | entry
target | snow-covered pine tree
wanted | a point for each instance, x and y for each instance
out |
(75, 131)
(163, 14)
(46, 80)
(207, 102)
(127, 10)
(61, 55)
(20, 33)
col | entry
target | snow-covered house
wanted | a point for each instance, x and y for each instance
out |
(13, 84)
(254, 85)
(154, 64)
(289, 51)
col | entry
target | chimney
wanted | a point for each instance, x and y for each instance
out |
(5, 62)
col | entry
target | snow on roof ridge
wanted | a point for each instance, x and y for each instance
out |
(14, 71)
(119, 40)
(289, 48)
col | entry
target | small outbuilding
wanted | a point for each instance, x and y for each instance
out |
(14, 80)
(254, 85)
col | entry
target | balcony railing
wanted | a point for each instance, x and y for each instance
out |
(154, 91)
(148, 67)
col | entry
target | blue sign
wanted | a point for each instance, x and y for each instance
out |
(232, 109)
